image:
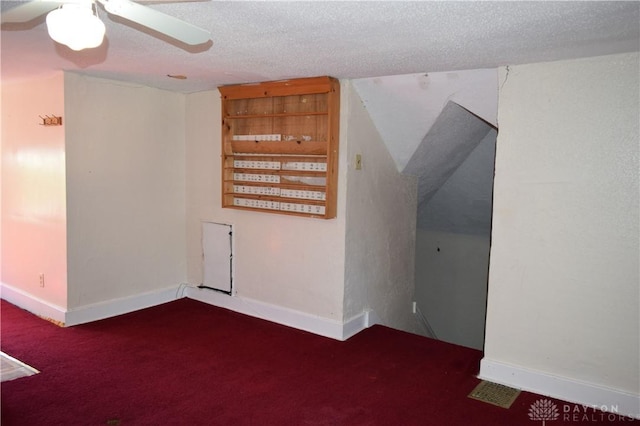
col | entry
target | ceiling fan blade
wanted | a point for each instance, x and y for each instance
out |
(28, 11)
(161, 22)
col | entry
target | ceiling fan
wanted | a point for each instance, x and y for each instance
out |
(75, 23)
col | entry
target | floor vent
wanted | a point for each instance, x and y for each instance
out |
(493, 393)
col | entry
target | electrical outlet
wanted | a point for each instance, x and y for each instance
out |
(41, 280)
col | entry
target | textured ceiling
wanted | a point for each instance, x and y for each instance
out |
(258, 41)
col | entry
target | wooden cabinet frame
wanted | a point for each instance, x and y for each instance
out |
(280, 146)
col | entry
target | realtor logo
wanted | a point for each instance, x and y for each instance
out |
(543, 409)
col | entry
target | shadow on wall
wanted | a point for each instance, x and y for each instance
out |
(455, 167)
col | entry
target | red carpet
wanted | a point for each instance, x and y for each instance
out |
(188, 363)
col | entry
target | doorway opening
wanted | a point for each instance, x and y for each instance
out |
(453, 229)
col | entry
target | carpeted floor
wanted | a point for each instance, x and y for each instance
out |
(188, 363)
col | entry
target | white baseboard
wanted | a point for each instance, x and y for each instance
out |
(112, 308)
(356, 324)
(563, 388)
(339, 330)
(33, 304)
(301, 320)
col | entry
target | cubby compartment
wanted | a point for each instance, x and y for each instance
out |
(280, 146)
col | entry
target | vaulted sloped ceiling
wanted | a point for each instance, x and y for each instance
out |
(431, 124)
(405, 107)
(454, 135)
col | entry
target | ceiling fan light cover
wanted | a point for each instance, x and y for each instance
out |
(76, 25)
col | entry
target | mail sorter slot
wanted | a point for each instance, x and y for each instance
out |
(280, 146)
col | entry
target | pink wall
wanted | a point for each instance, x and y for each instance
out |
(33, 190)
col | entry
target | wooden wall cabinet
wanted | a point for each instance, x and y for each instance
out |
(280, 146)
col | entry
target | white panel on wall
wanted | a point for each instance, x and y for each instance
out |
(217, 249)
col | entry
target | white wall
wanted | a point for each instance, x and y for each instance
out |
(463, 203)
(126, 191)
(451, 284)
(334, 270)
(563, 303)
(285, 262)
(33, 190)
(202, 154)
(405, 107)
(143, 173)
(380, 232)
(452, 250)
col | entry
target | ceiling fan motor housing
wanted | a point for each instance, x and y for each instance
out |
(76, 25)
